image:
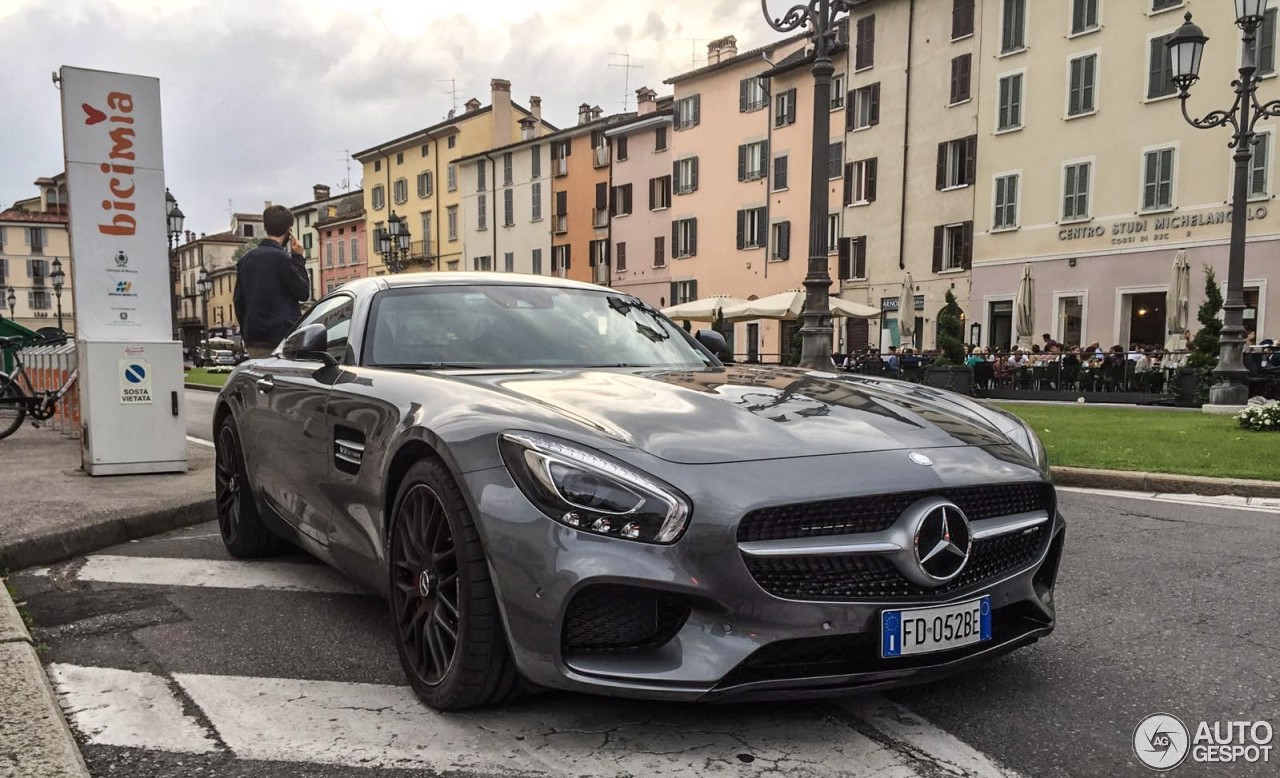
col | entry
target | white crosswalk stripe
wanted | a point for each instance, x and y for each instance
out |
(347, 724)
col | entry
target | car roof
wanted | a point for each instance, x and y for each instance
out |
(450, 278)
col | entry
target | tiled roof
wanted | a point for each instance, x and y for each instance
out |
(735, 60)
(446, 124)
(15, 215)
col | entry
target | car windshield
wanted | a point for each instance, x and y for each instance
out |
(508, 325)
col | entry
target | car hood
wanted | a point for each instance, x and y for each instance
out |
(737, 414)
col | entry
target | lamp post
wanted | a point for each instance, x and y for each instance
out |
(204, 286)
(58, 277)
(12, 299)
(393, 244)
(175, 218)
(815, 330)
(1186, 48)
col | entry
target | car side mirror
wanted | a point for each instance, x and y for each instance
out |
(713, 341)
(311, 343)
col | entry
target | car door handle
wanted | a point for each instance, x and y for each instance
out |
(265, 384)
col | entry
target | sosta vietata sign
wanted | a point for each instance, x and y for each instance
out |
(115, 186)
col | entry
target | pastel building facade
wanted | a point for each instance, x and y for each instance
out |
(641, 201)
(33, 233)
(506, 205)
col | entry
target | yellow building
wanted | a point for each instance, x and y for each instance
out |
(33, 235)
(414, 177)
(222, 311)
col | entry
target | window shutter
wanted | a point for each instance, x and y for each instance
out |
(1155, 70)
(675, 238)
(871, 40)
(1267, 44)
(785, 249)
(942, 166)
(659, 251)
(627, 190)
(562, 203)
(873, 165)
(591, 253)
(848, 111)
(1151, 179)
(695, 174)
(971, 159)
(845, 264)
(602, 196)
(966, 251)
(875, 104)
(675, 173)
(848, 183)
(762, 226)
(780, 173)
(693, 237)
(742, 229)
(1069, 192)
(742, 163)
(653, 194)
(791, 106)
(955, 80)
(697, 109)
(674, 298)
(742, 96)
(966, 65)
(939, 233)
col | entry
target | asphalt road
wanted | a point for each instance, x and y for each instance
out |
(199, 412)
(174, 660)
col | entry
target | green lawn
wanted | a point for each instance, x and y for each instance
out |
(1158, 441)
(205, 378)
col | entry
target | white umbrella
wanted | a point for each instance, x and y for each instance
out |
(789, 305)
(216, 342)
(1024, 310)
(701, 310)
(1178, 309)
(907, 311)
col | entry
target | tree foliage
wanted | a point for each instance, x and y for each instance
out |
(950, 333)
(1205, 347)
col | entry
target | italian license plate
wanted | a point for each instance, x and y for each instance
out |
(938, 628)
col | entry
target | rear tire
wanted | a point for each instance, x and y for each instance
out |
(243, 532)
(12, 410)
(448, 629)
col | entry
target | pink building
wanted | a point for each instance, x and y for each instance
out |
(641, 201)
(343, 244)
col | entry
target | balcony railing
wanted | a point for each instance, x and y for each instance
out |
(600, 217)
(561, 225)
(560, 166)
(601, 156)
(601, 274)
(420, 251)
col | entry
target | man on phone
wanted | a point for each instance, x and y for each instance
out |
(271, 280)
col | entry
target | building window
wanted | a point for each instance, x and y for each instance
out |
(779, 174)
(482, 212)
(1006, 215)
(400, 158)
(355, 250)
(342, 253)
(751, 161)
(480, 176)
(860, 182)
(659, 193)
(865, 43)
(1260, 166)
(598, 258)
(452, 221)
(328, 253)
(683, 292)
(751, 225)
(379, 197)
(560, 153)
(1266, 53)
(835, 161)
(453, 178)
(1009, 115)
(785, 109)
(620, 257)
(684, 238)
(961, 70)
(535, 161)
(426, 149)
(620, 143)
(1013, 29)
(660, 139)
(688, 112)
(425, 184)
(837, 92)
(622, 200)
(853, 258)
(426, 227)
(686, 176)
(1084, 16)
(483, 263)
(509, 262)
(39, 300)
(1080, 92)
(751, 95)
(453, 141)
(961, 18)
(560, 213)
(508, 207)
(537, 262)
(660, 251)
(1157, 180)
(863, 109)
(1075, 191)
(400, 190)
(377, 165)
(1160, 5)
(957, 162)
(37, 239)
(600, 215)
(780, 242)
(952, 247)
(560, 260)
(833, 233)
(1160, 69)
(536, 193)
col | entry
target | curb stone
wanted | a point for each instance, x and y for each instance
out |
(1164, 483)
(203, 388)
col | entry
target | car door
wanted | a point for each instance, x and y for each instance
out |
(292, 431)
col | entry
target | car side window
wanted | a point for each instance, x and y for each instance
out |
(335, 314)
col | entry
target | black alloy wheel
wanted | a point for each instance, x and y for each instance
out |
(243, 532)
(12, 408)
(444, 610)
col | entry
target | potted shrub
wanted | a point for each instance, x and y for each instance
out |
(1195, 379)
(949, 371)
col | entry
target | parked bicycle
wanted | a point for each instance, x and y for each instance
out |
(16, 401)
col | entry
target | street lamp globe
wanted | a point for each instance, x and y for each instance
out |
(203, 284)
(12, 299)
(384, 241)
(58, 276)
(1249, 13)
(1186, 48)
(176, 218)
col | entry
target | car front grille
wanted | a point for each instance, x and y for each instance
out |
(874, 513)
(872, 577)
(609, 617)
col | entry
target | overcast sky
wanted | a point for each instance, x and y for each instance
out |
(261, 97)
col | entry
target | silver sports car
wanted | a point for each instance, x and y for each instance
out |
(556, 486)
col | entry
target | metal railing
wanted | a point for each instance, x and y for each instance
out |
(560, 166)
(601, 156)
(48, 368)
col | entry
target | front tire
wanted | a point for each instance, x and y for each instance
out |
(12, 408)
(243, 532)
(448, 630)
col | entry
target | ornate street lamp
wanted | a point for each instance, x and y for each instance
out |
(204, 286)
(392, 243)
(175, 219)
(12, 299)
(58, 277)
(820, 16)
(1186, 48)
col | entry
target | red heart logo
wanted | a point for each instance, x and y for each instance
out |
(92, 115)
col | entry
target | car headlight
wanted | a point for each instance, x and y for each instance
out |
(1023, 436)
(588, 491)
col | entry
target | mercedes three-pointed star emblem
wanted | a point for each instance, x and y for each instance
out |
(943, 542)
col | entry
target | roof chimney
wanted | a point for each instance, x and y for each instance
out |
(472, 105)
(320, 192)
(503, 123)
(596, 113)
(722, 49)
(535, 107)
(528, 128)
(584, 114)
(646, 101)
